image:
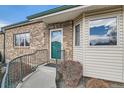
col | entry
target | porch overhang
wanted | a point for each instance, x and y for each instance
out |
(69, 14)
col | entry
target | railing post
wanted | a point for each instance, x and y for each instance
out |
(9, 81)
(56, 62)
(48, 60)
(64, 55)
(21, 69)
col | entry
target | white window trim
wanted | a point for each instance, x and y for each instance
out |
(78, 23)
(19, 40)
(103, 17)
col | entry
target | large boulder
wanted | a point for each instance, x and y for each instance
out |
(71, 72)
(96, 83)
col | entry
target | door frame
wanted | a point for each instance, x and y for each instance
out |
(54, 30)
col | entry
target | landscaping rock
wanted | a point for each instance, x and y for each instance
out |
(71, 73)
(96, 83)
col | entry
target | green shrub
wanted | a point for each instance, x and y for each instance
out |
(0, 57)
(0, 74)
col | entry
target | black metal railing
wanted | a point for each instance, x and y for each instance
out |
(22, 66)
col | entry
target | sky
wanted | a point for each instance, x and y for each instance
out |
(10, 14)
(56, 36)
(101, 26)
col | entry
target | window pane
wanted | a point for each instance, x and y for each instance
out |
(17, 40)
(77, 35)
(22, 39)
(103, 32)
(27, 39)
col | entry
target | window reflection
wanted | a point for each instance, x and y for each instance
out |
(22, 39)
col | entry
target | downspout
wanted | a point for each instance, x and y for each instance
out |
(4, 49)
(72, 39)
(3, 61)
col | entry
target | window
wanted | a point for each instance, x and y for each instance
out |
(77, 35)
(22, 39)
(103, 31)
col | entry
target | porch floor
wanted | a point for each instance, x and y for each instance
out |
(43, 77)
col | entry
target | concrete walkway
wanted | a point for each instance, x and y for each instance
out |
(44, 77)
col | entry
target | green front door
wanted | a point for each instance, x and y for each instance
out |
(56, 44)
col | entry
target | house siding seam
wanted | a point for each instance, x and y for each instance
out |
(105, 62)
(38, 40)
(123, 42)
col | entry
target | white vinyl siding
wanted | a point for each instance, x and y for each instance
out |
(77, 50)
(105, 62)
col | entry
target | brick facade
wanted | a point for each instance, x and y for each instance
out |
(39, 38)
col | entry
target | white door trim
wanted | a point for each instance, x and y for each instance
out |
(54, 30)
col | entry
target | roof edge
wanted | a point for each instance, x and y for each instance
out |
(50, 11)
(47, 12)
(22, 23)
